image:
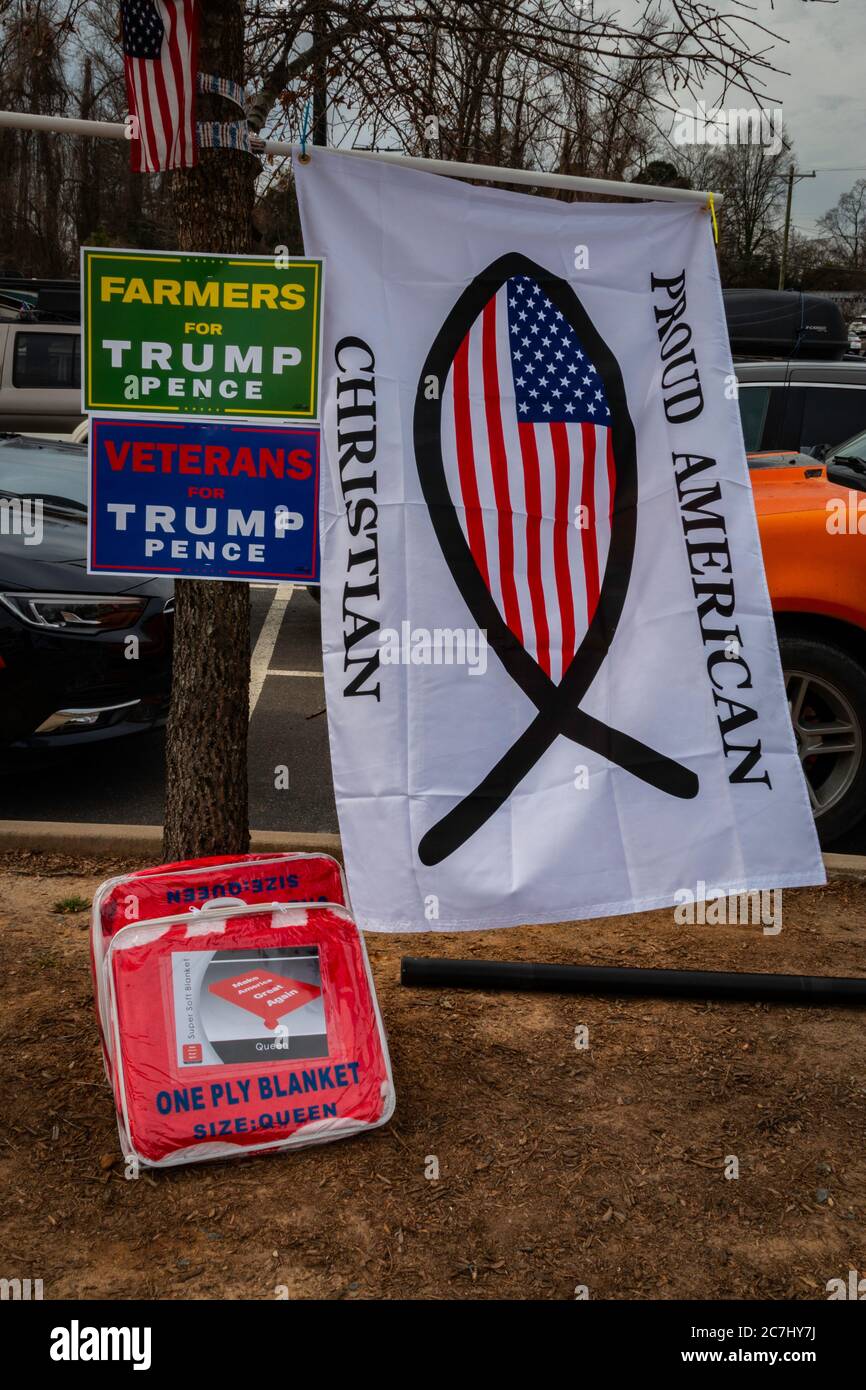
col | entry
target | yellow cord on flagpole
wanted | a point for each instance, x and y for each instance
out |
(712, 207)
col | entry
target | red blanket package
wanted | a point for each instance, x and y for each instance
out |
(195, 884)
(241, 1030)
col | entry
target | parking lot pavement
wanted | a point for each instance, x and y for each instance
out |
(121, 782)
(288, 728)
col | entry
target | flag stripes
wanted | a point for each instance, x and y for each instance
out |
(160, 58)
(534, 498)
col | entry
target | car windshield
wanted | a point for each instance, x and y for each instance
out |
(854, 448)
(58, 475)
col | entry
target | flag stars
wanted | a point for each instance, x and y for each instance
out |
(559, 383)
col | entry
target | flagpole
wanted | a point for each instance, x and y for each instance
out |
(64, 125)
(533, 178)
(488, 173)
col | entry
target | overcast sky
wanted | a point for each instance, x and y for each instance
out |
(824, 98)
(822, 91)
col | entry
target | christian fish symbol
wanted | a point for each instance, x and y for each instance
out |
(527, 462)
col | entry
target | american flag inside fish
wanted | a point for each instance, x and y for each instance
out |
(528, 466)
(160, 49)
(528, 452)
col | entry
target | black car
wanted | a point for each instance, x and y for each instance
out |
(82, 657)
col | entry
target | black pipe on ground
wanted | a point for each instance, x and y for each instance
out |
(431, 972)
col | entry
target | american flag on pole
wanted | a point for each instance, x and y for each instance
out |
(160, 43)
(529, 460)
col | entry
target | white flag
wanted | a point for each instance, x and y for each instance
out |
(552, 676)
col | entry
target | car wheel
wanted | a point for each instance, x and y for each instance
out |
(826, 692)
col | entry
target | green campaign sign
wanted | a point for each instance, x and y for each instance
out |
(189, 333)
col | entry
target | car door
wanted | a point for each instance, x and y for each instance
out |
(820, 416)
(762, 411)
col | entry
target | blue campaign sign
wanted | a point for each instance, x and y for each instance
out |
(203, 500)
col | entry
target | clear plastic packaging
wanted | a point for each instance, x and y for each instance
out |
(242, 1029)
(194, 884)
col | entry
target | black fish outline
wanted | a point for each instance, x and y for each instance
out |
(557, 704)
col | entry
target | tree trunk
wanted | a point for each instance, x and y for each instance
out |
(319, 126)
(206, 797)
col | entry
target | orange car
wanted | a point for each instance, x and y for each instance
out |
(812, 521)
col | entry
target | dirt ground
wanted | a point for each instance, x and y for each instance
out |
(558, 1166)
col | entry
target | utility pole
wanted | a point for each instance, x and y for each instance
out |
(791, 176)
(206, 796)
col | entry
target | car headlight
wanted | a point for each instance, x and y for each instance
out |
(75, 612)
